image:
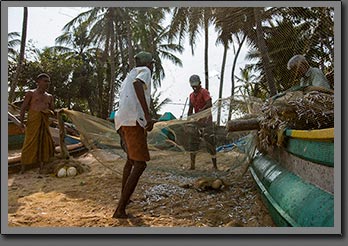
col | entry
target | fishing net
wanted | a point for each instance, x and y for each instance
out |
(177, 137)
(305, 108)
(285, 31)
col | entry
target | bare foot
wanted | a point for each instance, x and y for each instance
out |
(22, 169)
(120, 215)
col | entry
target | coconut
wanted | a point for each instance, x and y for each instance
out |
(61, 173)
(217, 184)
(71, 171)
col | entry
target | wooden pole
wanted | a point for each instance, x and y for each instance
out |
(64, 151)
(183, 111)
(243, 125)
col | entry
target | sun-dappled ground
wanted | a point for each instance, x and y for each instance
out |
(168, 195)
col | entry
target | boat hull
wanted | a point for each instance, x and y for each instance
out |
(291, 200)
(16, 137)
(297, 181)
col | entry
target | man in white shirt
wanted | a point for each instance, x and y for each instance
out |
(309, 76)
(132, 122)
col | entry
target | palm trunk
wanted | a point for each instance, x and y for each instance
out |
(206, 38)
(264, 53)
(233, 71)
(12, 94)
(101, 77)
(120, 45)
(112, 64)
(221, 82)
(130, 46)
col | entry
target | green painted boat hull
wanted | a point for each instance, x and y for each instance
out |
(320, 152)
(291, 201)
(15, 141)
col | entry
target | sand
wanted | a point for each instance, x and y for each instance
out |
(167, 195)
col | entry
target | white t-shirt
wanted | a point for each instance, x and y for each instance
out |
(130, 111)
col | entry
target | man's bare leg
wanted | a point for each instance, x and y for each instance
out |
(41, 167)
(129, 187)
(193, 161)
(126, 172)
(213, 159)
(23, 168)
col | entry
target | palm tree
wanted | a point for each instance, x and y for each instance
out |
(223, 38)
(121, 32)
(248, 84)
(79, 50)
(148, 26)
(12, 95)
(247, 81)
(190, 20)
(156, 104)
(290, 33)
(319, 35)
(231, 23)
(13, 41)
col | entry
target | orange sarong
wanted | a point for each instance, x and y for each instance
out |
(38, 144)
(134, 142)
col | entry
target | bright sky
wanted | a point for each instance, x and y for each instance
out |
(46, 23)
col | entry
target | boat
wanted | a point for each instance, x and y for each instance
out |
(16, 137)
(296, 181)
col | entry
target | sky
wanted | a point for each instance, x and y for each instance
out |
(46, 23)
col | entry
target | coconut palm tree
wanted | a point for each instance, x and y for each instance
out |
(13, 42)
(189, 20)
(156, 104)
(121, 32)
(224, 38)
(290, 33)
(12, 95)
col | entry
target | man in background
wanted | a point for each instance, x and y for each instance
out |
(309, 76)
(200, 100)
(38, 146)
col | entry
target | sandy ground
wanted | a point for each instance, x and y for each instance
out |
(168, 195)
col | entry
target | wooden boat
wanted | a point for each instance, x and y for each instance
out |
(16, 137)
(297, 182)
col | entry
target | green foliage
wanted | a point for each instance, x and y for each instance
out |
(94, 53)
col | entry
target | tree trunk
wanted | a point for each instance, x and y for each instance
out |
(123, 62)
(112, 63)
(233, 71)
(206, 38)
(64, 151)
(221, 82)
(130, 46)
(243, 125)
(101, 76)
(12, 93)
(264, 53)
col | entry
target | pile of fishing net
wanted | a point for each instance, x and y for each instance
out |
(305, 109)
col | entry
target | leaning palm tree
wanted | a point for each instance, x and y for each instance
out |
(224, 38)
(231, 23)
(12, 95)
